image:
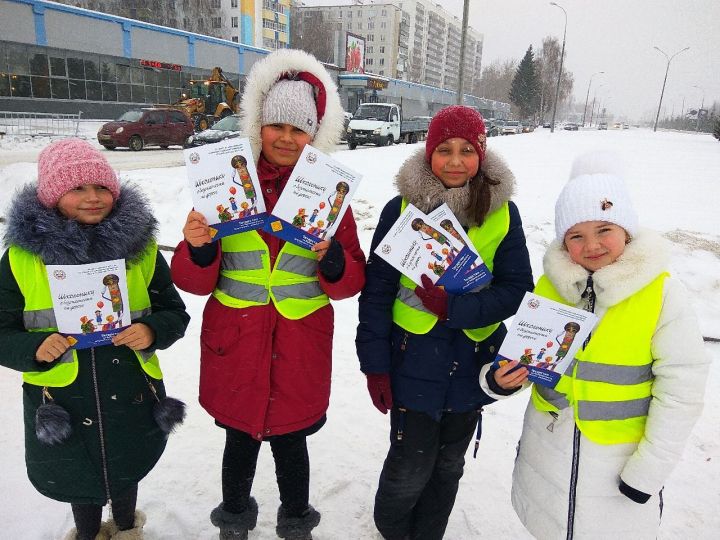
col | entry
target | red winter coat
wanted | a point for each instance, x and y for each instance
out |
(261, 373)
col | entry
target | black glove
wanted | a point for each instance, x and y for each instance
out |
(332, 264)
(633, 494)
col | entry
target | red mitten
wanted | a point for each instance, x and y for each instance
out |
(380, 392)
(433, 297)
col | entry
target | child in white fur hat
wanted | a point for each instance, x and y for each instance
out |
(267, 329)
(596, 450)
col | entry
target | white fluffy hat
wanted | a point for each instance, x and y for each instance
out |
(596, 191)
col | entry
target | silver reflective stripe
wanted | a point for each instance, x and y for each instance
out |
(569, 369)
(613, 373)
(299, 291)
(242, 290)
(297, 265)
(144, 355)
(410, 299)
(39, 318)
(553, 397)
(140, 313)
(613, 410)
(242, 260)
(66, 357)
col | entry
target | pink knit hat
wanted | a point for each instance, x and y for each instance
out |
(69, 163)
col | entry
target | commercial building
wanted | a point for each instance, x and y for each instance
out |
(64, 59)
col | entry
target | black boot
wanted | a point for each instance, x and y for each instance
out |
(235, 526)
(297, 528)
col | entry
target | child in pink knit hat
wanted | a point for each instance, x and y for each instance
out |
(97, 419)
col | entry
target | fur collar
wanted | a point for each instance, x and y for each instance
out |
(45, 232)
(644, 258)
(263, 76)
(418, 185)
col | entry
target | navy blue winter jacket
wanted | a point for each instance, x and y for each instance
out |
(439, 371)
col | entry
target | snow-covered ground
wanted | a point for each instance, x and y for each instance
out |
(672, 177)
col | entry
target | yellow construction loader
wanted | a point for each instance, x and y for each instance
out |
(208, 100)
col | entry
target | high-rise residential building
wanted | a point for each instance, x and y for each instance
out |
(265, 23)
(259, 23)
(414, 40)
(321, 30)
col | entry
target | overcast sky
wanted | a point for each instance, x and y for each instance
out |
(614, 36)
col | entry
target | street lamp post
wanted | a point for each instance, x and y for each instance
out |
(588, 95)
(667, 68)
(702, 104)
(562, 57)
(463, 40)
(592, 109)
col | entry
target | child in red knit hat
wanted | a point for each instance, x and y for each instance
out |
(422, 348)
(97, 419)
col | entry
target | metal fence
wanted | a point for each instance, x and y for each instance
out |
(39, 124)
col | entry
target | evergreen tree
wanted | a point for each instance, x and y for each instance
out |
(525, 89)
(716, 131)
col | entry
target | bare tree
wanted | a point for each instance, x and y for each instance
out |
(548, 61)
(313, 33)
(496, 80)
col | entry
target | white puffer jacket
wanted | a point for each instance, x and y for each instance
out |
(541, 479)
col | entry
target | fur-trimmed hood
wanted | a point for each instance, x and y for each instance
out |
(644, 258)
(123, 234)
(419, 186)
(265, 73)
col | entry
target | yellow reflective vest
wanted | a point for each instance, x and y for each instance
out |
(38, 315)
(246, 278)
(609, 385)
(408, 310)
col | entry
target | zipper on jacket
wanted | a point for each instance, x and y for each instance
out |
(589, 296)
(403, 344)
(573, 483)
(551, 426)
(478, 433)
(401, 424)
(103, 454)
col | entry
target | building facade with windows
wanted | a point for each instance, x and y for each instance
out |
(64, 59)
(413, 40)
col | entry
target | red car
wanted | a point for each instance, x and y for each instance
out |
(139, 128)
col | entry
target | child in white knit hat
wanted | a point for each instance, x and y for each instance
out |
(597, 449)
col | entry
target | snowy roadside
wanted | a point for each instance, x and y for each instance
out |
(676, 197)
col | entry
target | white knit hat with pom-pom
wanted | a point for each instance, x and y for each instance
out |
(596, 191)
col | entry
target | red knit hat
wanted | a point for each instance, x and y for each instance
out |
(69, 163)
(456, 121)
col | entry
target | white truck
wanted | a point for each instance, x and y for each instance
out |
(380, 124)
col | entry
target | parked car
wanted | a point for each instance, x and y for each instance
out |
(617, 125)
(511, 127)
(528, 128)
(138, 128)
(626, 126)
(547, 124)
(227, 128)
(602, 125)
(570, 126)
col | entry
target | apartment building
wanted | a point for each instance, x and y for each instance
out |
(413, 40)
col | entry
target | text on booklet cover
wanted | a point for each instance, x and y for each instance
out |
(419, 244)
(90, 301)
(545, 336)
(314, 200)
(224, 186)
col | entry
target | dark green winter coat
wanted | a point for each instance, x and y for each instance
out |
(115, 440)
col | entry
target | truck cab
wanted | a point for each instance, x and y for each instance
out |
(377, 123)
